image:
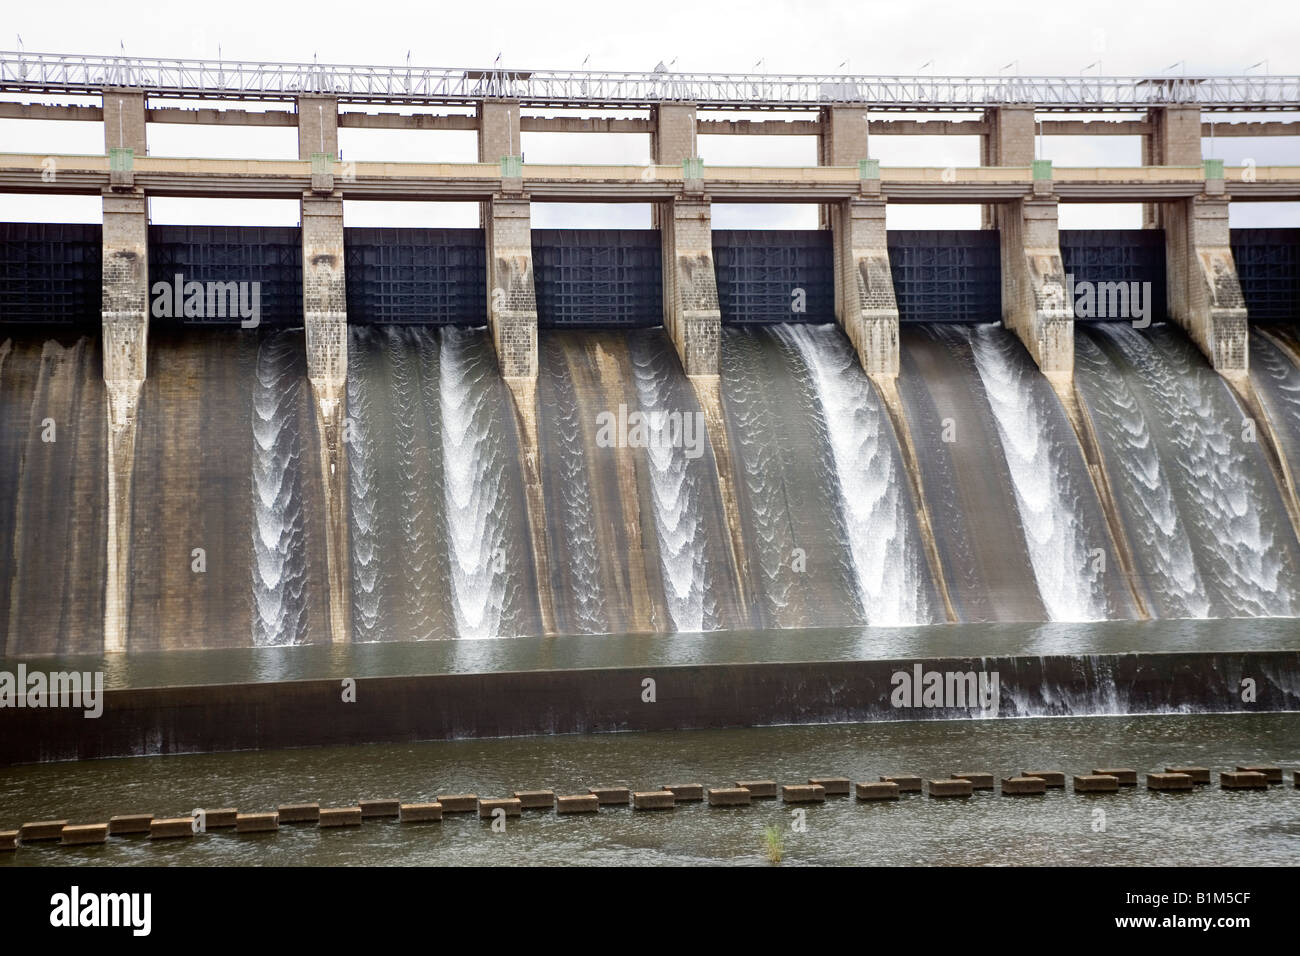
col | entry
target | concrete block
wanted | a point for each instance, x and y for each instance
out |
(1198, 774)
(951, 788)
(759, 789)
(1095, 783)
(299, 813)
(978, 781)
(126, 823)
(1053, 778)
(877, 791)
(535, 799)
(41, 830)
(612, 796)
(375, 809)
(1271, 773)
(653, 800)
(803, 793)
(1023, 786)
(458, 802)
(420, 812)
(729, 797)
(8, 840)
(834, 786)
(1243, 780)
(510, 805)
(1126, 778)
(577, 803)
(905, 784)
(172, 828)
(340, 817)
(83, 833)
(1169, 781)
(686, 792)
(257, 822)
(222, 819)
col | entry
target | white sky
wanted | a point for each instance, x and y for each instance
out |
(1126, 36)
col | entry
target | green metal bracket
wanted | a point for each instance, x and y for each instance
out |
(868, 169)
(1042, 170)
(512, 167)
(121, 159)
(1213, 168)
(322, 163)
(693, 168)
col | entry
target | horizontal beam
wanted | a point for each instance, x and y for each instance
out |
(161, 176)
(225, 79)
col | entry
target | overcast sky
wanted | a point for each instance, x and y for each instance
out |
(1126, 37)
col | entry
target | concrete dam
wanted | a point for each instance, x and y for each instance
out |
(426, 434)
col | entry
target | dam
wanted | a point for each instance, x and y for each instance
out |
(336, 486)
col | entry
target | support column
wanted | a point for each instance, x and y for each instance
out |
(1008, 142)
(124, 315)
(125, 320)
(1034, 303)
(842, 142)
(692, 315)
(318, 125)
(1174, 140)
(1204, 293)
(324, 297)
(672, 142)
(498, 130)
(864, 287)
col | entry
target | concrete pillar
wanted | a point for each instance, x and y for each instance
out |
(1034, 303)
(692, 315)
(318, 125)
(1174, 140)
(1204, 293)
(324, 299)
(864, 287)
(842, 142)
(124, 120)
(1008, 142)
(673, 133)
(498, 130)
(512, 301)
(125, 322)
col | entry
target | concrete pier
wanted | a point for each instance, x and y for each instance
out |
(257, 822)
(759, 789)
(1096, 783)
(692, 315)
(1199, 775)
(906, 784)
(173, 828)
(299, 812)
(8, 840)
(834, 786)
(951, 788)
(979, 781)
(40, 830)
(1008, 140)
(865, 306)
(1126, 778)
(1052, 778)
(686, 792)
(220, 819)
(82, 834)
(1034, 301)
(729, 797)
(458, 802)
(420, 812)
(379, 809)
(653, 800)
(1271, 773)
(883, 790)
(803, 793)
(331, 817)
(1169, 781)
(535, 799)
(511, 297)
(129, 823)
(577, 803)
(1243, 780)
(1023, 786)
(510, 806)
(612, 796)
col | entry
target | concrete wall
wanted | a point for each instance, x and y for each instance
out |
(124, 120)
(318, 125)
(692, 316)
(1204, 293)
(864, 287)
(305, 713)
(498, 130)
(672, 136)
(1034, 302)
(511, 296)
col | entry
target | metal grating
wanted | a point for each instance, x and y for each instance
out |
(759, 271)
(1268, 265)
(268, 255)
(946, 275)
(407, 276)
(598, 277)
(50, 273)
(1118, 255)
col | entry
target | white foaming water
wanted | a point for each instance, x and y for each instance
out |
(471, 488)
(364, 504)
(277, 582)
(1065, 575)
(886, 557)
(1159, 532)
(677, 518)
